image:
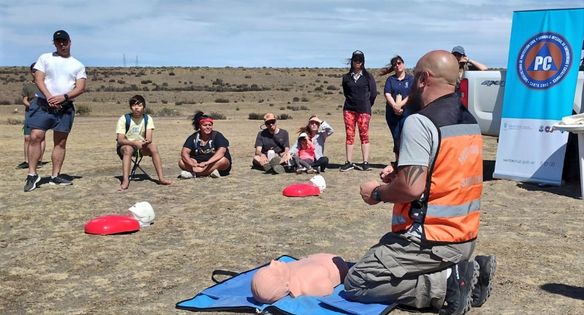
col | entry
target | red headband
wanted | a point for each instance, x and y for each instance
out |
(205, 119)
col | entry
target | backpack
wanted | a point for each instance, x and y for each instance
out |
(129, 119)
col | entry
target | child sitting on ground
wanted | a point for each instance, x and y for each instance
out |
(134, 132)
(305, 156)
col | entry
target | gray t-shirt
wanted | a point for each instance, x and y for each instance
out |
(277, 142)
(419, 141)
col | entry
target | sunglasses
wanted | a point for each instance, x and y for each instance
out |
(397, 63)
(270, 122)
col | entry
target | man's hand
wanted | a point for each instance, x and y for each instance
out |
(56, 101)
(366, 191)
(139, 144)
(388, 174)
(286, 157)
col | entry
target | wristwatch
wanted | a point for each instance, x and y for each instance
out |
(376, 194)
(66, 96)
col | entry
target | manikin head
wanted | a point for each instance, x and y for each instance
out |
(143, 212)
(271, 283)
(318, 181)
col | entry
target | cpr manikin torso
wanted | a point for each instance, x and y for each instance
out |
(316, 274)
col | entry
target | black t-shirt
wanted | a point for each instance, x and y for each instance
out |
(277, 142)
(203, 153)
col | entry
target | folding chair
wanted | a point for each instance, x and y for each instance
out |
(136, 159)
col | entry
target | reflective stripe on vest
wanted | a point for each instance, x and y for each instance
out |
(453, 205)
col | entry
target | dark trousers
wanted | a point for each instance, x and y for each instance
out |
(322, 163)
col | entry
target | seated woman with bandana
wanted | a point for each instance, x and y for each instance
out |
(205, 152)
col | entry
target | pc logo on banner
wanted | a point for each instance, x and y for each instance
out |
(544, 60)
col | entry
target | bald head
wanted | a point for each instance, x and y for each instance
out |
(441, 64)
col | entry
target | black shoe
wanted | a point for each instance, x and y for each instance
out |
(60, 181)
(482, 291)
(364, 167)
(31, 181)
(40, 164)
(347, 167)
(459, 288)
(23, 165)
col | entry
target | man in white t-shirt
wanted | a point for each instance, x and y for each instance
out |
(60, 79)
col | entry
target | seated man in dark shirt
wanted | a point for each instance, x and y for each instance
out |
(272, 147)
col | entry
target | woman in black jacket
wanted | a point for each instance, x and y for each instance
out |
(360, 91)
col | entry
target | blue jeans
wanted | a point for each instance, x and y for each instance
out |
(395, 124)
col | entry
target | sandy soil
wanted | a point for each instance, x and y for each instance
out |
(48, 264)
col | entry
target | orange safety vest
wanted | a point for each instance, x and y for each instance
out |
(449, 208)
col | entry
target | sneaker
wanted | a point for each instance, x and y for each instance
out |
(300, 170)
(59, 181)
(482, 291)
(186, 175)
(31, 181)
(215, 174)
(275, 161)
(365, 166)
(278, 169)
(459, 287)
(347, 167)
(311, 171)
(23, 165)
(40, 164)
(267, 167)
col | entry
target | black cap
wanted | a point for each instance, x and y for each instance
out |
(61, 34)
(358, 56)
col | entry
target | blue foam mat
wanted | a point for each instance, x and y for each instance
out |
(234, 294)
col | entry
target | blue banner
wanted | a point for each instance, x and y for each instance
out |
(540, 85)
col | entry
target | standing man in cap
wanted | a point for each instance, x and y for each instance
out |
(465, 63)
(272, 147)
(60, 79)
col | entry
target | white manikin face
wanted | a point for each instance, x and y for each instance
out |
(143, 212)
(319, 182)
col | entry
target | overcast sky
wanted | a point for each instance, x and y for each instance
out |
(254, 33)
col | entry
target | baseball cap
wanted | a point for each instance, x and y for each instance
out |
(358, 56)
(315, 118)
(458, 50)
(269, 116)
(61, 34)
(303, 135)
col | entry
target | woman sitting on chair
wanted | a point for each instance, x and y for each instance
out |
(205, 152)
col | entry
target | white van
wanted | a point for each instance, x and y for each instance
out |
(482, 92)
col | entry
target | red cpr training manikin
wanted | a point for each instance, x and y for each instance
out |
(316, 185)
(316, 274)
(141, 215)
